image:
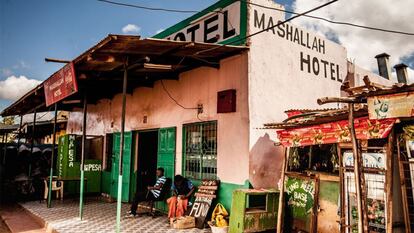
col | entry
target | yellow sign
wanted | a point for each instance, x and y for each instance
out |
(391, 106)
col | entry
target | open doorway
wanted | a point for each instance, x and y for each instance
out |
(147, 159)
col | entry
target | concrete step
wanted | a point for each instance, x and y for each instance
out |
(17, 219)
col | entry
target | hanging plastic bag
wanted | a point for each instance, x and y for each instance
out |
(219, 216)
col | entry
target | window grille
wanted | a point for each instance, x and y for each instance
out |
(200, 150)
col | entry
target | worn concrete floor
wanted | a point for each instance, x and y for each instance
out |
(99, 216)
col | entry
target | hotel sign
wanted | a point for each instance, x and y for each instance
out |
(223, 22)
(60, 85)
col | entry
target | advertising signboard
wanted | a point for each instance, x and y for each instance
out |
(60, 85)
(391, 106)
(300, 195)
(370, 160)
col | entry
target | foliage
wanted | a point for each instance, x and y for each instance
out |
(8, 120)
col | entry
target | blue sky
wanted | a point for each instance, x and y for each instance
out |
(32, 30)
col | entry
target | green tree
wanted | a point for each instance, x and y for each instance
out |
(8, 120)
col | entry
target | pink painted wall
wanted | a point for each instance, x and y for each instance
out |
(199, 86)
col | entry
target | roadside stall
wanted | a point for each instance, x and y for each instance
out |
(68, 163)
(320, 188)
(398, 102)
(319, 173)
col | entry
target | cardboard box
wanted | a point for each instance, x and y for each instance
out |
(182, 222)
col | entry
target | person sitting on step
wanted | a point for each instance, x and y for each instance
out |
(182, 191)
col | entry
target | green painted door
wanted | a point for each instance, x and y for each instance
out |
(166, 156)
(126, 165)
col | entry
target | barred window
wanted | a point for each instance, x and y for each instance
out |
(200, 150)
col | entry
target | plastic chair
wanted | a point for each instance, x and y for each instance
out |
(55, 187)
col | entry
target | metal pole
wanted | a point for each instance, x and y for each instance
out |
(121, 152)
(82, 170)
(19, 132)
(32, 144)
(49, 196)
(359, 180)
(4, 148)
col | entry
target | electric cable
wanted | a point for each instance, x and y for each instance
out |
(332, 21)
(267, 29)
(266, 7)
(172, 98)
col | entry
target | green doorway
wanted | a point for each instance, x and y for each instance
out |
(146, 159)
(156, 148)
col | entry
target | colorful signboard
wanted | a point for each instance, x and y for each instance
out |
(60, 85)
(370, 160)
(223, 23)
(391, 106)
(335, 132)
(300, 195)
(375, 202)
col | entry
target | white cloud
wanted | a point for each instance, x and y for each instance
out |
(131, 29)
(362, 44)
(14, 87)
(159, 30)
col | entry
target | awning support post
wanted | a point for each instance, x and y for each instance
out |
(359, 179)
(32, 143)
(19, 132)
(121, 152)
(49, 195)
(4, 147)
(82, 168)
(282, 193)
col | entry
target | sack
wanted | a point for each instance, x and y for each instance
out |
(219, 216)
(183, 222)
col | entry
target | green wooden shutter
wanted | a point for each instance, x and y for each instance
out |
(126, 167)
(114, 168)
(166, 156)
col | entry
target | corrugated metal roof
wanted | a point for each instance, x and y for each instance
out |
(317, 117)
(8, 128)
(99, 70)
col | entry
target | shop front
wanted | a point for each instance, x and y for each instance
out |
(319, 178)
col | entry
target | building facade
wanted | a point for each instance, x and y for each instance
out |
(286, 67)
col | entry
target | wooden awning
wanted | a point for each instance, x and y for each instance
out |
(335, 132)
(99, 70)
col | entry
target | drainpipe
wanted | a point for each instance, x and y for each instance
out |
(384, 65)
(121, 152)
(402, 74)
